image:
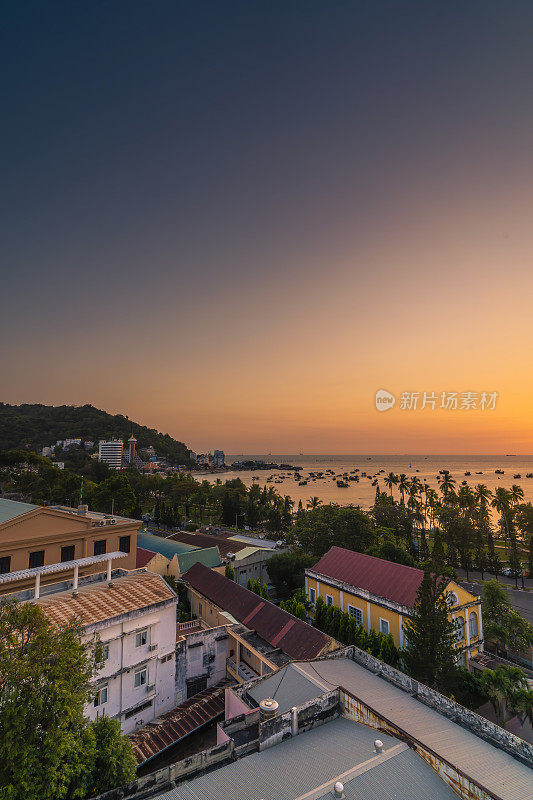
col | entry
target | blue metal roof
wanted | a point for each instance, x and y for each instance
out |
(9, 509)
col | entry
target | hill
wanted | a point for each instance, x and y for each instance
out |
(35, 426)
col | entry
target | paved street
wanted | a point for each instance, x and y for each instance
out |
(522, 600)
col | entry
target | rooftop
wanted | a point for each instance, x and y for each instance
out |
(170, 728)
(143, 557)
(379, 577)
(502, 775)
(158, 544)
(312, 762)
(9, 509)
(279, 628)
(224, 545)
(96, 601)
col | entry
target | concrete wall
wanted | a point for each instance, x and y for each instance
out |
(198, 655)
(299, 719)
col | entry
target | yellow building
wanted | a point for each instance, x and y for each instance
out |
(381, 595)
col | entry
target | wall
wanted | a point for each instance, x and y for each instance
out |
(300, 719)
(118, 671)
(200, 654)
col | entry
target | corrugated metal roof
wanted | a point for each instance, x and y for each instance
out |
(382, 578)
(208, 556)
(224, 545)
(484, 763)
(304, 763)
(178, 723)
(288, 687)
(143, 557)
(299, 641)
(98, 601)
(158, 544)
(9, 509)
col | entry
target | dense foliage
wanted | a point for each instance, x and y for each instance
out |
(48, 749)
(35, 426)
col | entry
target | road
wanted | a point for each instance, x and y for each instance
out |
(521, 600)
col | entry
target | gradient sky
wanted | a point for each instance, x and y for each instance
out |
(236, 221)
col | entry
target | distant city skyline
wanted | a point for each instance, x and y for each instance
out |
(237, 222)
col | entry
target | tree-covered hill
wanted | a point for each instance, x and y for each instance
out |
(35, 426)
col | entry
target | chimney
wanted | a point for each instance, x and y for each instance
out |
(268, 709)
(83, 510)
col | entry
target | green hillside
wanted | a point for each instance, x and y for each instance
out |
(34, 426)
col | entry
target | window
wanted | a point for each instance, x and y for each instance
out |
(329, 600)
(5, 564)
(37, 559)
(101, 696)
(105, 652)
(195, 686)
(459, 629)
(68, 552)
(141, 638)
(100, 547)
(312, 596)
(356, 614)
(167, 658)
(452, 599)
(384, 626)
(141, 677)
(200, 609)
(137, 710)
(124, 544)
(472, 625)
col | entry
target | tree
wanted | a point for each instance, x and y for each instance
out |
(390, 480)
(501, 623)
(430, 654)
(507, 688)
(48, 750)
(230, 573)
(287, 571)
(392, 552)
(115, 763)
(318, 529)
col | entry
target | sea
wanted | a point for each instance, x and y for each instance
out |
(482, 469)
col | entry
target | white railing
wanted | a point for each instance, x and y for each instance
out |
(186, 626)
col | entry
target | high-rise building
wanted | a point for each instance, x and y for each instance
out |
(111, 453)
(218, 458)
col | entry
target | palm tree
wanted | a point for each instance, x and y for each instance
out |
(483, 495)
(516, 494)
(313, 502)
(391, 480)
(447, 487)
(403, 485)
(502, 503)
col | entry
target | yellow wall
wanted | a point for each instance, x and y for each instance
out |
(392, 616)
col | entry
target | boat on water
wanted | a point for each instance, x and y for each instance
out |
(342, 484)
(499, 472)
(517, 477)
(302, 483)
(468, 473)
(529, 475)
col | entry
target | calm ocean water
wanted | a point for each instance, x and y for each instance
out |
(424, 467)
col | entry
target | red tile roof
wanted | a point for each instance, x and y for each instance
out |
(143, 557)
(279, 628)
(224, 545)
(385, 579)
(173, 726)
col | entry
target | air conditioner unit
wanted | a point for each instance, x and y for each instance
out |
(101, 523)
(112, 522)
(150, 687)
(153, 647)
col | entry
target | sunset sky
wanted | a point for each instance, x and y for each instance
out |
(235, 222)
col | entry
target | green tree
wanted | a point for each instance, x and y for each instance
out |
(287, 571)
(430, 655)
(48, 749)
(502, 624)
(115, 763)
(318, 529)
(230, 572)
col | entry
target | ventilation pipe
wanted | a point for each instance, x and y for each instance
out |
(338, 790)
(294, 721)
(268, 709)
(378, 745)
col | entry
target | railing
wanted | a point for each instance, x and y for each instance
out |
(245, 672)
(186, 626)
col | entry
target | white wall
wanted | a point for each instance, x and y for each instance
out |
(118, 671)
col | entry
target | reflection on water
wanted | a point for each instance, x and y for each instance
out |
(362, 492)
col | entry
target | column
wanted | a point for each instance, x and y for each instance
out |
(37, 585)
(400, 618)
(108, 569)
(480, 627)
(368, 621)
(342, 600)
(467, 626)
(76, 572)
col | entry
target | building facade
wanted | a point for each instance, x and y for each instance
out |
(381, 595)
(34, 536)
(111, 453)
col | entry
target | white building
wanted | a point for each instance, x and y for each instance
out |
(133, 614)
(111, 453)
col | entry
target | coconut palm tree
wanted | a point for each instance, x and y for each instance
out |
(447, 487)
(403, 485)
(502, 503)
(516, 494)
(313, 502)
(391, 480)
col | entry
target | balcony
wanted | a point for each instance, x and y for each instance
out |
(245, 673)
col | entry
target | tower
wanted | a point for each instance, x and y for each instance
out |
(132, 441)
